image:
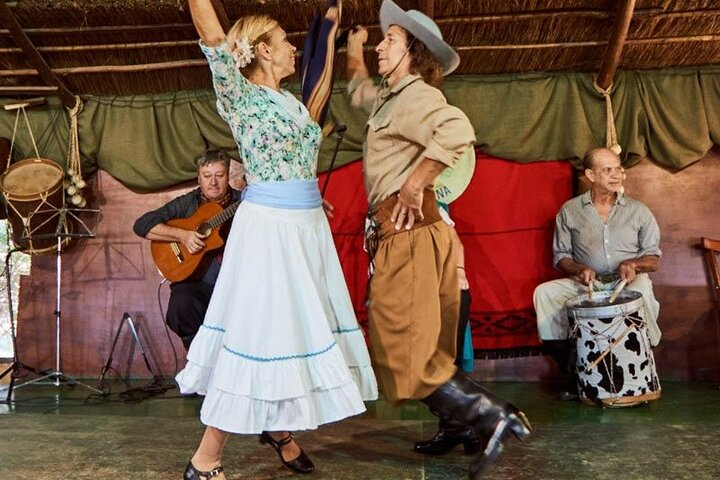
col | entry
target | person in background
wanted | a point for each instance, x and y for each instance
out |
(189, 298)
(602, 237)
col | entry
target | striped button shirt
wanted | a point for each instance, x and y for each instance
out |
(580, 234)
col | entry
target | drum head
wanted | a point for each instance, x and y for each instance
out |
(31, 177)
(600, 307)
(453, 181)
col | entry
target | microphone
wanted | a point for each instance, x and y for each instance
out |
(340, 131)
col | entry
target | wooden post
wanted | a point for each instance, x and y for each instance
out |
(22, 41)
(615, 45)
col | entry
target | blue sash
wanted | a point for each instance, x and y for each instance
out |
(290, 194)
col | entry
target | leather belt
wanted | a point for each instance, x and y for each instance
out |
(383, 211)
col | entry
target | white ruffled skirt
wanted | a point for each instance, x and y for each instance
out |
(280, 347)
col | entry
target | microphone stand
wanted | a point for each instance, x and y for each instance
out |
(340, 130)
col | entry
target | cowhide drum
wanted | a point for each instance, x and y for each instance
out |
(615, 363)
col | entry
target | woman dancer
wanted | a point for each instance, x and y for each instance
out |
(280, 348)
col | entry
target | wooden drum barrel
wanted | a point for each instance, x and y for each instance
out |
(34, 195)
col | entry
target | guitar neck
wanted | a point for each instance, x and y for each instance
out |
(223, 216)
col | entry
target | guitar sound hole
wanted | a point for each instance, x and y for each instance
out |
(204, 229)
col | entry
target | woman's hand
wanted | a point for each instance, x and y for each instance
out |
(329, 209)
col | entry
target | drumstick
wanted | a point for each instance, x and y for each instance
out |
(617, 291)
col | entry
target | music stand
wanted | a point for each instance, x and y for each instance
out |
(61, 233)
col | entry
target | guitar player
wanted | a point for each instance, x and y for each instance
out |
(189, 298)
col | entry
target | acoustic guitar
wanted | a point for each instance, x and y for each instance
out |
(173, 260)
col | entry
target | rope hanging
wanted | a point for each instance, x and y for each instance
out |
(610, 132)
(76, 183)
(12, 141)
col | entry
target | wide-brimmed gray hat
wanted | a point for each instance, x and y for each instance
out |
(424, 29)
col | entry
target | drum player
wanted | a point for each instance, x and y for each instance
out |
(602, 238)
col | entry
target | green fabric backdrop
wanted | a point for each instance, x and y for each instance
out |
(149, 142)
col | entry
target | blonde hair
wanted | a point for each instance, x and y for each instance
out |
(257, 28)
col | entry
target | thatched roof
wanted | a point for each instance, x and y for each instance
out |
(121, 47)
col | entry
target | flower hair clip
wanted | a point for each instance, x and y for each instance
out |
(243, 53)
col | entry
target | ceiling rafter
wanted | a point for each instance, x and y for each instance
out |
(615, 45)
(22, 41)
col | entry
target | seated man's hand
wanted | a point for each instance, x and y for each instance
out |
(193, 241)
(586, 276)
(627, 271)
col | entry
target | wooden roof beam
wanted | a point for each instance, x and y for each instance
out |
(615, 45)
(143, 67)
(110, 46)
(43, 90)
(22, 41)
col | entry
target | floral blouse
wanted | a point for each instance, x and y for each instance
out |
(275, 143)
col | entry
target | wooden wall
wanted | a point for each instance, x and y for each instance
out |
(113, 273)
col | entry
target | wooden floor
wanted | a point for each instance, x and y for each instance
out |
(49, 433)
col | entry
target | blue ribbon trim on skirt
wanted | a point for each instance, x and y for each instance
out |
(277, 359)
(289, 194)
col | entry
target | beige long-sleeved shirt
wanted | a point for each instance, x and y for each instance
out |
(408, 122)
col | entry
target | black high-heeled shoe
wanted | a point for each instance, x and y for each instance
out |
(192, 473)
(300, 464)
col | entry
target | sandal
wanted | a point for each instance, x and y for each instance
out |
(300, 464)
(192, 473)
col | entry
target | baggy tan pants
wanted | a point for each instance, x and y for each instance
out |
(413, 311)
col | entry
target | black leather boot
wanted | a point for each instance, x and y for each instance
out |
(466, 401)
(563, 353)
(450, 434)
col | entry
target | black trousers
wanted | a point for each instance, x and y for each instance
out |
(186, 308)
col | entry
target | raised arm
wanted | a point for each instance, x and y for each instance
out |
(361, 89)
(355, 65)
(206, 22)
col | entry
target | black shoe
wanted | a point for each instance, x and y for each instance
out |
(301, 464)
(192, 473)
(445, 440)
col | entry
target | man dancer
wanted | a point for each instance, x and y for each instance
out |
(412, 135)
